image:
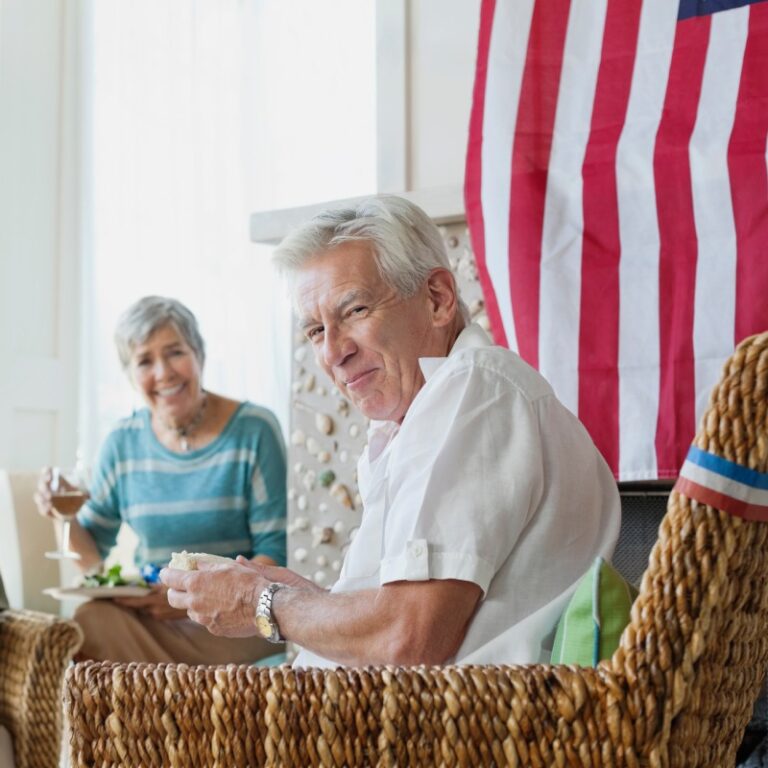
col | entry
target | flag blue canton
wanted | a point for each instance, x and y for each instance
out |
(690, 8)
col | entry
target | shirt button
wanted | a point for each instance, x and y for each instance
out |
(417, 550)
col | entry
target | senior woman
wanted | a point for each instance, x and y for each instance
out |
(193, 470)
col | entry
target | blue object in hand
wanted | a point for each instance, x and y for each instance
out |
(150, 573)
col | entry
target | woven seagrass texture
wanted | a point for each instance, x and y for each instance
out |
(35, 650)
(678, 692)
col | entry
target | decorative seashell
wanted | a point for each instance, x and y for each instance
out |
(322, 561)
(319, 577)
(343, 456)
(452, 241)
(322, 391)
(321, 535)
(298, 437)
(475, 307)
(296, 387)
(354, 430)
(484, 322)
(339, 526)
(300, 354)
(353, 532)
(342, 406)
(358, 500)
(291, 494)
(298, 468)
(300, 555)
(323, 423)
(322, 507)
(341, 493)
(309, 383)
(327, 476)
(309, 479)
(324, 457)
(312, 446)
(336, 565)
(301, 523)
(298, 339)
(302, 503)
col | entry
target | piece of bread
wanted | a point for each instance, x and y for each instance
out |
(187, 561)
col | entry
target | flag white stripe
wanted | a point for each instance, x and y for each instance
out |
(506, 64)
(715, 298)
(639, 235)
(560, 285)
(723, 484)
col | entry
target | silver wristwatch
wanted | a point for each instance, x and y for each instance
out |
(265, 621)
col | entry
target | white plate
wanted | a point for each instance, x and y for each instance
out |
(65, 593)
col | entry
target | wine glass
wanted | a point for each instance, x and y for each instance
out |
(68, 494)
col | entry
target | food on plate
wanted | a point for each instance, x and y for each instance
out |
(112, 577)
(187, 561)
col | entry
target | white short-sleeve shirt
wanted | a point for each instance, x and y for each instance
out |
(489, 479)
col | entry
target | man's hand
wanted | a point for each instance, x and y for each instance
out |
(280, 574)
(154, 604)
(221, 597)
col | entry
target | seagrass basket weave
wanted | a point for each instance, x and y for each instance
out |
(679, 690)
(35, 650)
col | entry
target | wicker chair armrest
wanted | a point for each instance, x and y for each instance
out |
(35, 650)
(165, 714)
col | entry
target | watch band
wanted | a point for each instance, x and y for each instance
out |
(265, 621)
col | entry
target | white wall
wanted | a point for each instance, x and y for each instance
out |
(443, 41)
(38, 266)
(426, 60)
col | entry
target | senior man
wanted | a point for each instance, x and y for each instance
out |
(484, 499)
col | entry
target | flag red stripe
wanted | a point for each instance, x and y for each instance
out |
(601, 246)
(678, 246)
(474, 171)
(729, 504)
(530, 161)
(749, 180)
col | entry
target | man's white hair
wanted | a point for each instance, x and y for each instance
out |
(405, 242)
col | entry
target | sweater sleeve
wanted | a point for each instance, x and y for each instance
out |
(100, 516)
(267, 512)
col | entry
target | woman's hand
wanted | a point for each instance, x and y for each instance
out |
(79, 539)
(42, 495)
(154, 604)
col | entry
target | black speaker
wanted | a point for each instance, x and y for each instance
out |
(642, 507)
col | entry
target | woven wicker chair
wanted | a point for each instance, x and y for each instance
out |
(35, 650)
(679, 690)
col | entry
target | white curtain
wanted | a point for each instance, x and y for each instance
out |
(197, 114)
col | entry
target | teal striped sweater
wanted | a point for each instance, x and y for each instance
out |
(227, 498)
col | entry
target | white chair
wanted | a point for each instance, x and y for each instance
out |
(25, 570)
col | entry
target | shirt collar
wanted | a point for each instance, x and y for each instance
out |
(472, 337)
(380, 433)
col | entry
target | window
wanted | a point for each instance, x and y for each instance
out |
(199, 113)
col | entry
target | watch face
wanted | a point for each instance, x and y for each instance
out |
(263, 626)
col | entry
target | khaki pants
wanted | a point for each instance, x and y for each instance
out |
(115, 633)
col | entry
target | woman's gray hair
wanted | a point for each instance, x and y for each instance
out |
(148, 315)
(406, 244)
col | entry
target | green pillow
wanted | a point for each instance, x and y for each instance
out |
(596, 615)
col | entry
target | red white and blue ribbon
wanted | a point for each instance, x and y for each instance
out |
(713, 480)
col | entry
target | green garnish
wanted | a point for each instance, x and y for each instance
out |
(112, 577)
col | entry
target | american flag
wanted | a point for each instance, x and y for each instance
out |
(617, 200)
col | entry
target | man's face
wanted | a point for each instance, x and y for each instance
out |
(365, 336)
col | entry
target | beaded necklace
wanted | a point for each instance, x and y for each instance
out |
(185, 432)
